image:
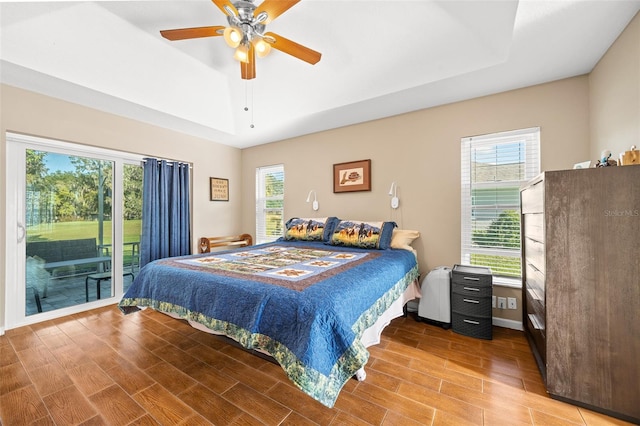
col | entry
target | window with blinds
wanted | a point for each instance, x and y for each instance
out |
(269, 203)
(493, 169)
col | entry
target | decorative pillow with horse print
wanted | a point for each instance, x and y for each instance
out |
(309, 229)
(361, 234)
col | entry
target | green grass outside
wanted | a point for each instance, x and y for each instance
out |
(82, 229)
(85, 229)
(500, 265)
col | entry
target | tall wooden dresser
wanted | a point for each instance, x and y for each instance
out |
(581, 285)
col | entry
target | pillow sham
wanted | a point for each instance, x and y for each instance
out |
(362, 234)
(402, 239)
(309, 229)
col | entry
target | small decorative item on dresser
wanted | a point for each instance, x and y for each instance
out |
(630, 157)
(471, 291)
(605, 159)
(582, 165)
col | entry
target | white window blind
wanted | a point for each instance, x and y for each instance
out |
(269, 203)
(493, 169)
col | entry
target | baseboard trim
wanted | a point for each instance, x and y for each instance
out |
(507, 323)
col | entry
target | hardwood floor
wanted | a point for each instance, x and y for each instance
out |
(102, 367)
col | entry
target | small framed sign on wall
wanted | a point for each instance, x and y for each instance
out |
(219, 189)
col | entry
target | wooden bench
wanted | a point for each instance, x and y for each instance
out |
(209, 243)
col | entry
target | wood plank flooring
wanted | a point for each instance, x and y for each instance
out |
(104, 368)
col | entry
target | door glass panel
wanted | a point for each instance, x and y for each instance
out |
(132, 222)
(68, 230)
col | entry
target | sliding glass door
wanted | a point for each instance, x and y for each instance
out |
(68, 229)
(77, 227)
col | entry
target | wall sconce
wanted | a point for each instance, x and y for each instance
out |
(315, 199)
(393, 193)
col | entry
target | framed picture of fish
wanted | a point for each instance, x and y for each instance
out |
(352, 176)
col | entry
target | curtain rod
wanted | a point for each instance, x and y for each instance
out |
(144, 160)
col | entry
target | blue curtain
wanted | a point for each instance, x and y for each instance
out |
(166, 223)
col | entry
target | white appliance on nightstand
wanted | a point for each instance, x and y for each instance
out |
(435, 302)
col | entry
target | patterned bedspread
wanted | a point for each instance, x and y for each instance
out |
(304, 303)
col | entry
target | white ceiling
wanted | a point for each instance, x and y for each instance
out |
(379, 58)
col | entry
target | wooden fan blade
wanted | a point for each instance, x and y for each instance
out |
(274, 8)
(222, 3)
(248, 69)
(185, 33)
(292, 48)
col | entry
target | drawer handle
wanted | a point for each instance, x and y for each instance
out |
(471, 288)
(534, 322)
(472, 322)
(471, 278)
(534, 295)
(470, 301)
(533, 267)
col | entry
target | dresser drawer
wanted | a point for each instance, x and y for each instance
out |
(535, 280)
(532, 198)
(535, 306)
(471, 305)
(538, 335)
(534, 254)
(533, 225)
(471, 290)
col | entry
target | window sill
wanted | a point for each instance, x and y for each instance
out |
(507, 282)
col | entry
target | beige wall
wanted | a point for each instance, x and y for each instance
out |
(579, 117)
(421, 152)
(614, 93)
(38, 115)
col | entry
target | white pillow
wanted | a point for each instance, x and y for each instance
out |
(402, 239)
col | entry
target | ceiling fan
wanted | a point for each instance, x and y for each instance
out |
(245, 33)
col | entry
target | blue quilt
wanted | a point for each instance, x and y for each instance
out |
(305, 303)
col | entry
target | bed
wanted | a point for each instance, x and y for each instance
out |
(313, 306)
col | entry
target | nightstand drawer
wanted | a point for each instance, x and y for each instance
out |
(471, 275)
(472, 326)
(471, 305)
(471, 290)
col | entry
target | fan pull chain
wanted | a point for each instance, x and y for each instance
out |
(246, 108)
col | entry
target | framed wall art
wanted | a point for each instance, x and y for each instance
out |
(352, 176)
(219, 189)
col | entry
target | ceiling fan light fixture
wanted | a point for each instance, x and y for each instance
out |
(233, 36)
(245, 33)
(242, 53)
(262, 48)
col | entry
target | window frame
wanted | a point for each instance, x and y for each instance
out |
(528, 169)
(262, 232)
